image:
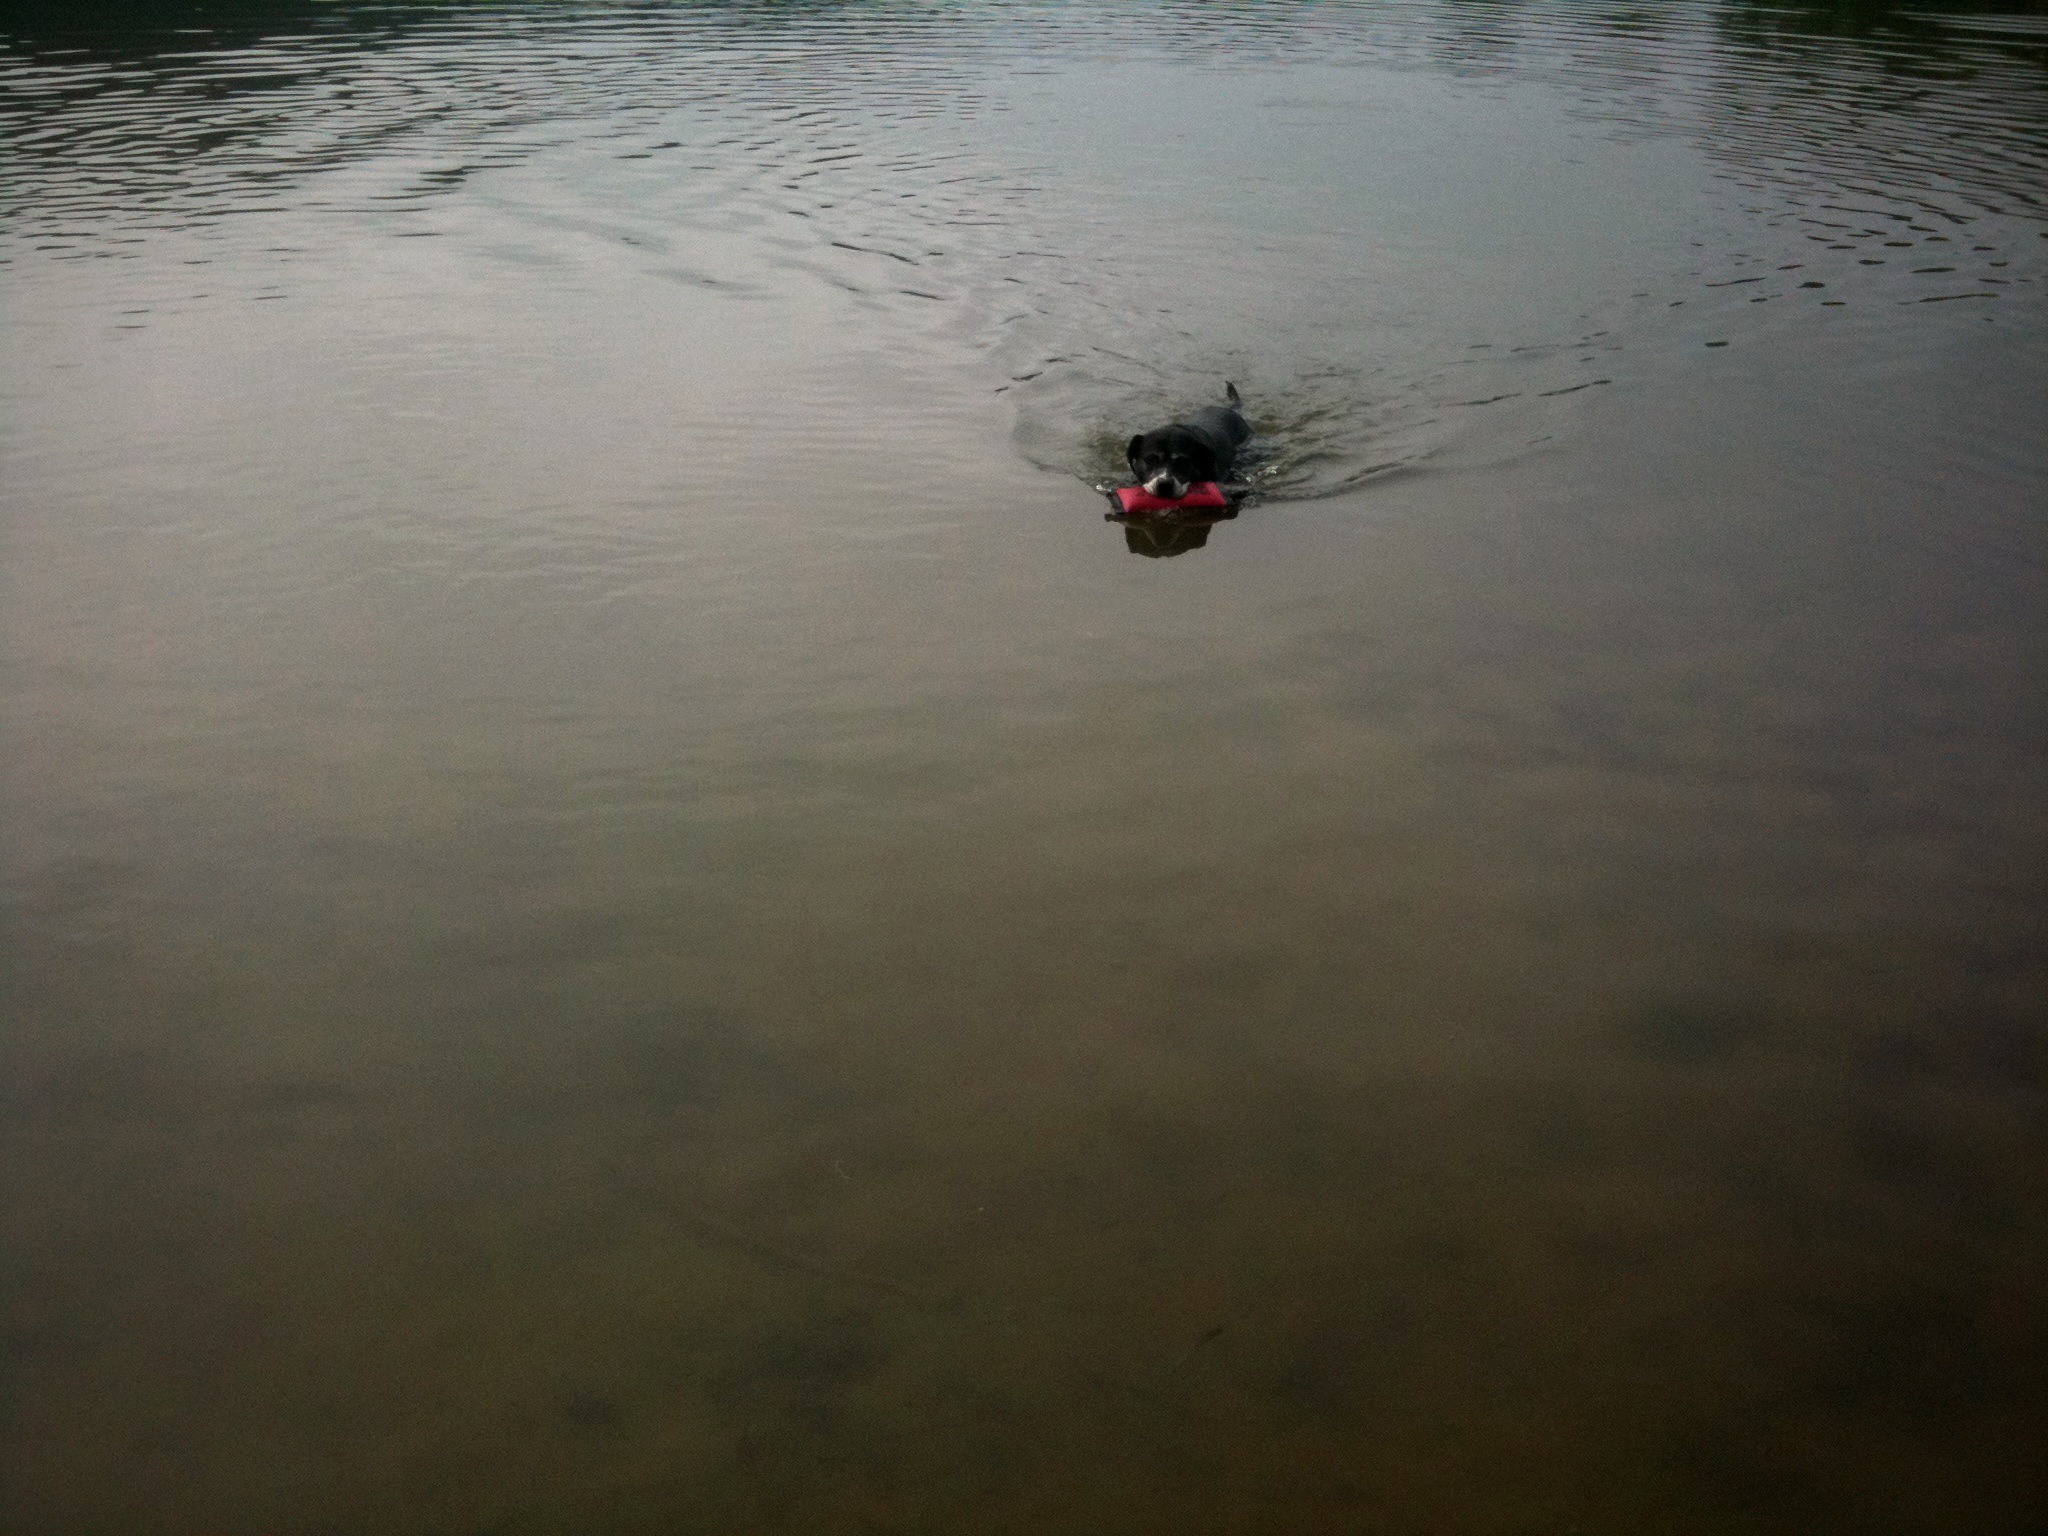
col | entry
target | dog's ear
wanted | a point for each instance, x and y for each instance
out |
(1131, 448)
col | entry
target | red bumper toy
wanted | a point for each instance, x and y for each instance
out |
(1204, 493)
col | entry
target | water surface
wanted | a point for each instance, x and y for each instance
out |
(625, 911)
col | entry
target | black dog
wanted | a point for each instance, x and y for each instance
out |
(1167, 460)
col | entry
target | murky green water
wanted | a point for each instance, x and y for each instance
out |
(626, 913)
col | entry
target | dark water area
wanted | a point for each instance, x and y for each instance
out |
(625, 912)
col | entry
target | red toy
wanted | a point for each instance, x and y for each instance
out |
(1203, 493)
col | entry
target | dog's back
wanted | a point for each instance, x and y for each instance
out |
(1224, 424)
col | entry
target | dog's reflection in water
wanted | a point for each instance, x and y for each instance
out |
(1160, 534)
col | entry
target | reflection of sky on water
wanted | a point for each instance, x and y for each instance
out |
(1090, 196)
(124, 94)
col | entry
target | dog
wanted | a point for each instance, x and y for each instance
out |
(1168, 460)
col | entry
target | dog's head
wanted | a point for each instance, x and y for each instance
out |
(1170, 460)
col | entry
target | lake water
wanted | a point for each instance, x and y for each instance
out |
(626, 912)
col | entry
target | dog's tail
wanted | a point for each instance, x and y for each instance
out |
(1230, 393)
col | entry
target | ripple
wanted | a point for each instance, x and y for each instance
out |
(846, 146)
